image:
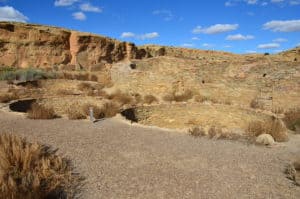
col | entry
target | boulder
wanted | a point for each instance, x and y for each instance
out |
(265, 139)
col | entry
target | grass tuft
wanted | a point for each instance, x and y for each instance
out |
(34, 171)
(149, 99)
(38, 111)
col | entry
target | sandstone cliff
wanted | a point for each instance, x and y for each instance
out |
(27, 45)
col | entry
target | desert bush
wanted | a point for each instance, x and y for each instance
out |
(274, 127)
(84, 86)
(34, 171)
(178, 97)
(94, 78)
(81, 76)
(29, 74)
(137, 97)
(214, 131)
(200, 98)
(169, 97)
(121, 98)
(197, 131)
(149, 99)
(110, 109)
(38, 111)
(292, 118)
(75, 114)
(5, 98)
(256, 104)
(64, 92)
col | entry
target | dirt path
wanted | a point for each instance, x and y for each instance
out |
(125, 161)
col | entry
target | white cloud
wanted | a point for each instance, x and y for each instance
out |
(227, 46)
(229, 3)
(251, 2)
(268, 46)
(195, 38)
(87, 7)
(276, 1)
(264, 3)
(215, 29)
(79, 16)
(8, 13)
(279, 40)
(65, 2)
(167, 15)
(239, 37)
(127, 35)
(206, 45)
(283, 26)
(294, 2)
(251, 51)
(188, 45)
(151, 35)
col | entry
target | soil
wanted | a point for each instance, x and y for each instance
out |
(122, 160)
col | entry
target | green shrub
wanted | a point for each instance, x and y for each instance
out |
(28, 74)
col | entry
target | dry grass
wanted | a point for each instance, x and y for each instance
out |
(94, 78)
(214, 131)
(200, 98)
(149, 99)
(178, 97)
(256, 104)
(292, 118)
(76, 114)
(274, 127)
(34, 171)
(38, 111)
(5, 98)
(278, 110)
(110, 109)
(197, 131)
(84, 86)
(64, 92)
(121, 98)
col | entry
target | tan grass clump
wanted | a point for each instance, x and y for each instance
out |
(197, 131)
(84, 86)
(292, 118)
(149, 99)
(38, 111)
(256, 104)
(214, 131)
(121, 98)
(200, 98)
(33, 171)
(274, 127)
(178, 97)
(110, 109)
(75, 114)
(5, 98)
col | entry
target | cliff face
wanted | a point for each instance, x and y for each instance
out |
(26, 45)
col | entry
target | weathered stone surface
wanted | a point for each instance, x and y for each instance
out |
(27, 45)
(265, 139)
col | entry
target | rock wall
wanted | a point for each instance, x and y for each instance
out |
(27, 45)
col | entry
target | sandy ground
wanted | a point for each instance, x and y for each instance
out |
(120, 160)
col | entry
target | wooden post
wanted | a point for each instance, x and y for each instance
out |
(92, 118)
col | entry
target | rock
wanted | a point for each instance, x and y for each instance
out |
(28, 45)
(265, 139)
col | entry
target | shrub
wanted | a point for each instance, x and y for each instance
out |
(110, 109)
(38, 111)
(84, 86)
(256, 104)
(200, 98)
(94, 78)
(292, 118)
(29, 74)
(34, 171)
(197, 131)
(149, 99)
(214, 131)
(75, 114)
(274, 127)
(121, 98)
(5, 98)
(178, 97)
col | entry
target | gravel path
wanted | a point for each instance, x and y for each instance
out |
(128, 161)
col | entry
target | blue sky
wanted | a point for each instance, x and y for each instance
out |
(239, 26)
